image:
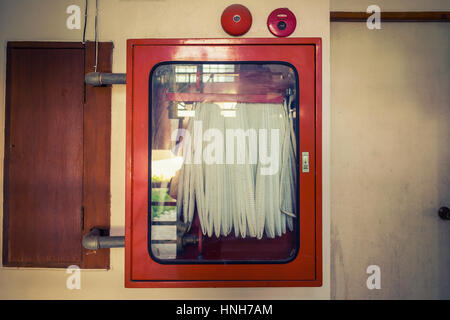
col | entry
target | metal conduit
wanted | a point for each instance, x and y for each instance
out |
(97, 79)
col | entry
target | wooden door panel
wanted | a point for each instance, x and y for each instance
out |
(44, 181)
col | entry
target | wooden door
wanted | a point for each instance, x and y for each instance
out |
(50, 162)
(45, 155)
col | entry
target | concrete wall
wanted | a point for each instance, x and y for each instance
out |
(119, 20)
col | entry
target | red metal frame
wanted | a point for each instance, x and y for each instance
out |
(306, 269)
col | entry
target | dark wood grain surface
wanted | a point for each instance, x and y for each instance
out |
(44, 152)
(97, 154)
(57, 154)
(412, 16)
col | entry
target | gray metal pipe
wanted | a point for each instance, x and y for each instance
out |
(94, 241)
(97, 79)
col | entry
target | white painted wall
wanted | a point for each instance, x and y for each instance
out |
(119, 20)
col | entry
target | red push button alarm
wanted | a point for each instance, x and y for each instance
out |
(236, 20)
(281, 22)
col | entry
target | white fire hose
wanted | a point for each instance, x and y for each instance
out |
(240, 197)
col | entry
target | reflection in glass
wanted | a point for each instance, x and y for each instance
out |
(224, 173)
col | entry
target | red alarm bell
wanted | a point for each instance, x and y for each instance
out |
(236, 20)
(281, 22)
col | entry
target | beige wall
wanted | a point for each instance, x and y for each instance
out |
(390, 171)
(118, 21)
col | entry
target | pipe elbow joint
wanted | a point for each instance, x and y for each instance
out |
(93, 79)
(91, 241)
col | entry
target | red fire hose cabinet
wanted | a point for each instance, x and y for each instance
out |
(223, 163)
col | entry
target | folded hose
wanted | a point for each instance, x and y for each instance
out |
(235, 196)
